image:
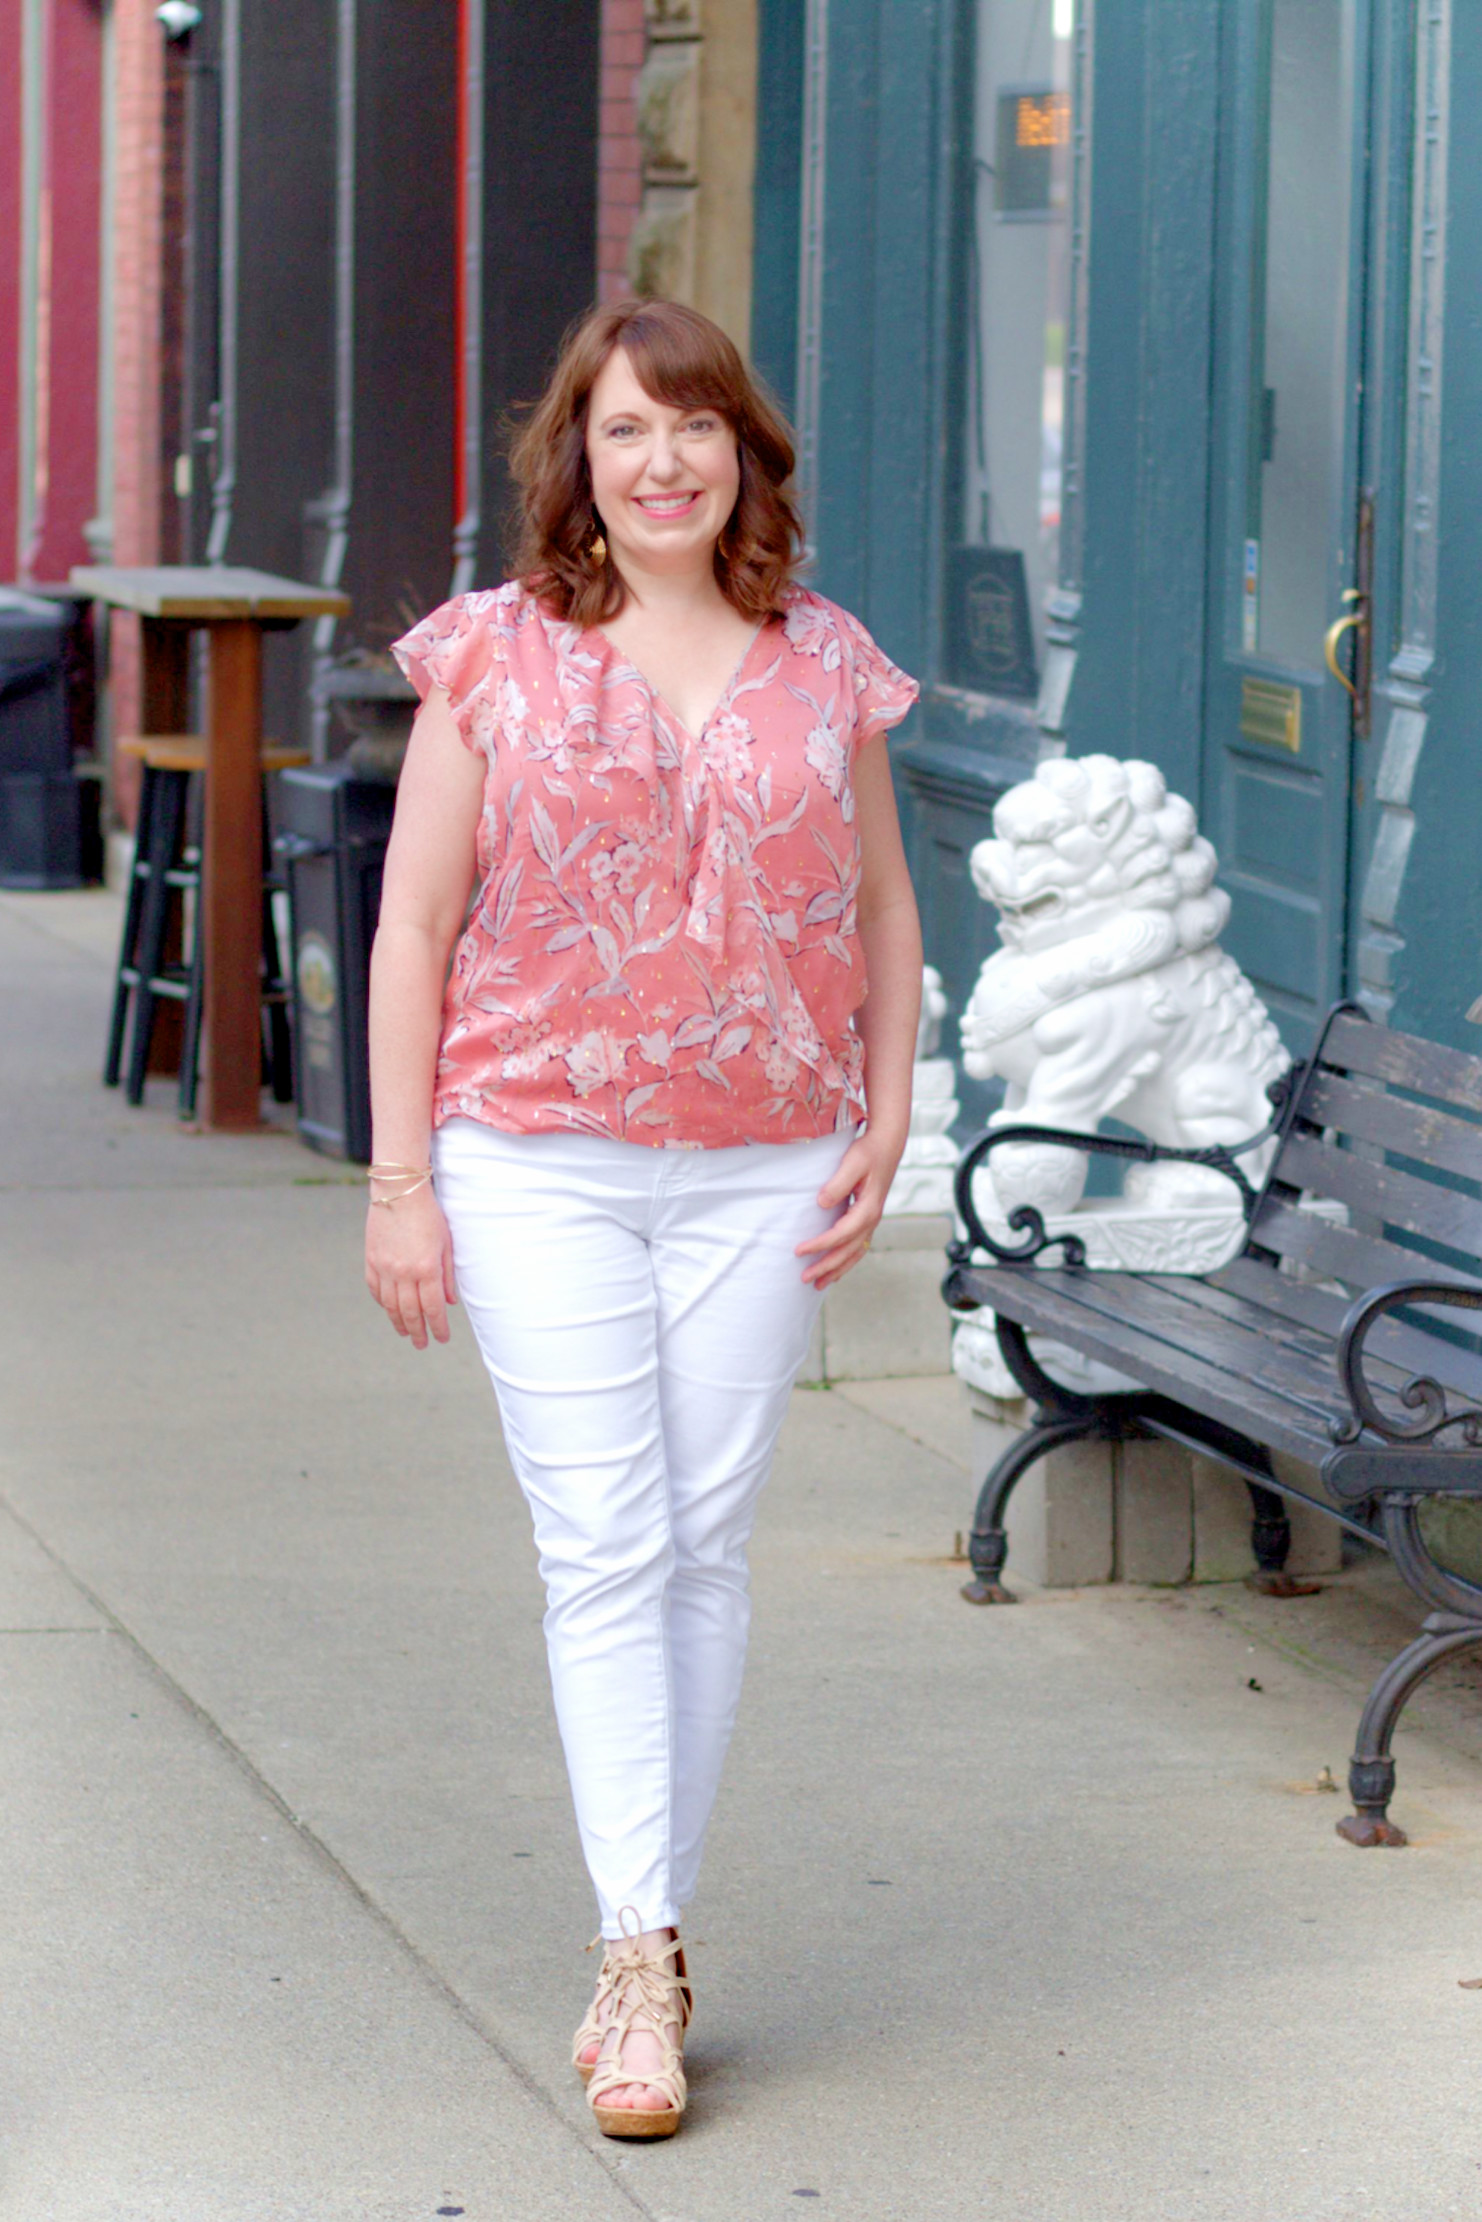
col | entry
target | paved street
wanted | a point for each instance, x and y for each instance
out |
(1028, 1916)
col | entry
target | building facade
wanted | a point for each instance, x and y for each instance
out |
(275, 278)
(1133, 350)
(1131, 345)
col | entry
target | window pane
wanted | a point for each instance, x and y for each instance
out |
(1006, 527)
(1298, 402)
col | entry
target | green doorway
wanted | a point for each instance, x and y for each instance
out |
(1292, 521)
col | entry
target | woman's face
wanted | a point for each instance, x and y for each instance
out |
(664, 481)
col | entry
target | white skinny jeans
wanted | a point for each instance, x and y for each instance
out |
(642, 1315)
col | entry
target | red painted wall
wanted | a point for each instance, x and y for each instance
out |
(10, 280)
(67, 289)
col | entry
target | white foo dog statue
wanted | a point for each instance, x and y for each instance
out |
(1110, 994)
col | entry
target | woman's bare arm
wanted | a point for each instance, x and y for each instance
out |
(424, 898)
(890, 932)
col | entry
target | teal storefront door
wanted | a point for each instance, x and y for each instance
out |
(1292, 520)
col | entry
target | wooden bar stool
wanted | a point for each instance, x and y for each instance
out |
(159, 960)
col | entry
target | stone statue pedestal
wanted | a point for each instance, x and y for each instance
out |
(923, 1181)
(886, 1319)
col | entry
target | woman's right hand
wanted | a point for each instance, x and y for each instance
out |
(409, 1265)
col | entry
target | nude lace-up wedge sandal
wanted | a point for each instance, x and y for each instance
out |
(595, 2025)
(651, 1990)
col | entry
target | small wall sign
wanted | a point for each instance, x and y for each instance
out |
(990, 640)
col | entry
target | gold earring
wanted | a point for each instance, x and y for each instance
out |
(597, 548)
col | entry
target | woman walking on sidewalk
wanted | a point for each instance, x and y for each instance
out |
(651, 1113)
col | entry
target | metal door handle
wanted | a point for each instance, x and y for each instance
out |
(1355, 619)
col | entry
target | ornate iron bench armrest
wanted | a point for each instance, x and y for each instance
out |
(1027, 1219)
(1435, 1416)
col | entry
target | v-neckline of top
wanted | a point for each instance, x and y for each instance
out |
(662, 702)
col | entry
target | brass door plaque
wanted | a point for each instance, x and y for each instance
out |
(1271, 714)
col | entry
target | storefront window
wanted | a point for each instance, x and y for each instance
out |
(1300, 330)
(1004, 529)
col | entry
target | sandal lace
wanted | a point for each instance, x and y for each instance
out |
(638, 1986)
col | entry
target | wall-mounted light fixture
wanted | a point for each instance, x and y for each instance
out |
(178, 18)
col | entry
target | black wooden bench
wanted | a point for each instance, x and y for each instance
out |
(1341, 1345)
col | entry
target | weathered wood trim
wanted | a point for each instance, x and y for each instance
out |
(1407, 683)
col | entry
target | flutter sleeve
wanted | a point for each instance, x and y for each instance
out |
(460, 646)
(883, 694)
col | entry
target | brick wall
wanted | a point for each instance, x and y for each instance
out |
(137, 247)
(619, 162)
(678, 154)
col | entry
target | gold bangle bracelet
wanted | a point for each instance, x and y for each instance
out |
(384, 1203)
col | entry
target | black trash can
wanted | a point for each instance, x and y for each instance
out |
(43, 835)
(332, 841)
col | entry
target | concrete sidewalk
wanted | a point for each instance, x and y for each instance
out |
(1029, 1915)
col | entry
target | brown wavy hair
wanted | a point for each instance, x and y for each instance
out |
(679, 357)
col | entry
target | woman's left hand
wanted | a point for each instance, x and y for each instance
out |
(863, 1180)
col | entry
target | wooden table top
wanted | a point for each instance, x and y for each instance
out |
(203, 594)
(188, 752)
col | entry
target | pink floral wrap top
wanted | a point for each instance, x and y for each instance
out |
(664, 946)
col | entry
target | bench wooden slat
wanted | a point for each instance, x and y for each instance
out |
(1405, 1061)
(1300, 1304)
(1242, 1346)
(1388, 1365)
(1359, 1261)
(1262, 1300)
(1415, 1130)
(1383, 1191)
(1051, 1303)
(1317, 1345)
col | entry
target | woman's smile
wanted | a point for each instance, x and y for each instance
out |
(668, 505)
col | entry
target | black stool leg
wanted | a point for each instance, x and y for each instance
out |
(190, 1033)
(1271, 1539)
(128, 948)
(167, 822)
(279, 1058)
